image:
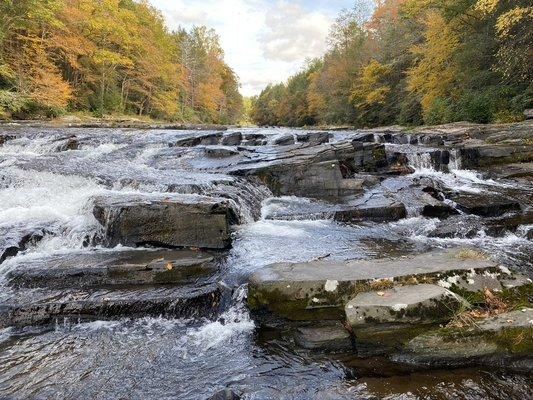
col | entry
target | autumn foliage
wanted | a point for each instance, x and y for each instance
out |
(110, 56)
(411, 62)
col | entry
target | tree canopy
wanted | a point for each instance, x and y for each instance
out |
(110, 56)
(412, 62)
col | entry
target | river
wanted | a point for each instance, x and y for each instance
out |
(42, 188)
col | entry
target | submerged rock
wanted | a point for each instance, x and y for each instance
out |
(171, 220)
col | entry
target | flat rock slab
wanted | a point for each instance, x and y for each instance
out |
(486, 205)
(175, 302)
(374, 209)
(325, 338)
(172, 220)
(413, 304)
(505, 340)
(105, 268)
(320, 289)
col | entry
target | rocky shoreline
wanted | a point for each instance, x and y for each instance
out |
(174, 219)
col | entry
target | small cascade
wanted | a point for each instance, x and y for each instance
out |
(455, 160)
(420, 161)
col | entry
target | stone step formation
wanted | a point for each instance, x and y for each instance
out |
(156, 238)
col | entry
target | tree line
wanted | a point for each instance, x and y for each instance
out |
(110, 57)
(413, 62)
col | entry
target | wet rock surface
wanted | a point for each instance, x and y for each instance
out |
(506, 339)
(415, 304)
(319, 290)
(332, 337)
(304, 222)
(167, 220)
(102, 268)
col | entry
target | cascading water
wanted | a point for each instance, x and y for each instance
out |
(46, 189)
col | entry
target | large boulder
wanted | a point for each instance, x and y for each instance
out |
(323, 171)
(284, 140)
(319, 290)
(172, 220)
(484, 204)
(484, 154)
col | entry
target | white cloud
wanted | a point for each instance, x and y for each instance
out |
(293, 35)
(264, 41)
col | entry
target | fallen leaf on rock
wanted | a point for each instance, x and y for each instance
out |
(170, 266)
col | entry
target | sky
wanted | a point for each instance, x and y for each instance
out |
(264, 41)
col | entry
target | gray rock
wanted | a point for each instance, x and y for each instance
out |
(484, 204)
(412, 304)
(102, 268)
(5, 138)
(220, 152)
(320, 289)
(483, 154)
(17, 239)
(225, 394)
(374, 209)
(174, 302)
(324, 338)
(505, 340)
(205, 139)
(314, 171)
(254, 139)
(314, 137)
(172, 220)
(70, 143)
(231, 139)
(284, 140)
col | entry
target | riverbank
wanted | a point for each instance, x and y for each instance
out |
(124, 122)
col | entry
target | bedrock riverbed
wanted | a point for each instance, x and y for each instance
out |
(270, 263)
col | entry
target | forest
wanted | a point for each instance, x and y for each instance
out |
(110, 57)
(413, 62)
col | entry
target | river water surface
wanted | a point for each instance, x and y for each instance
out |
(158, 358)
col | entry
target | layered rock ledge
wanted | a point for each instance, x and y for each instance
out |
(171, 220)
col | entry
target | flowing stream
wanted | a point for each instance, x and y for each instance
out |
(51, 191)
